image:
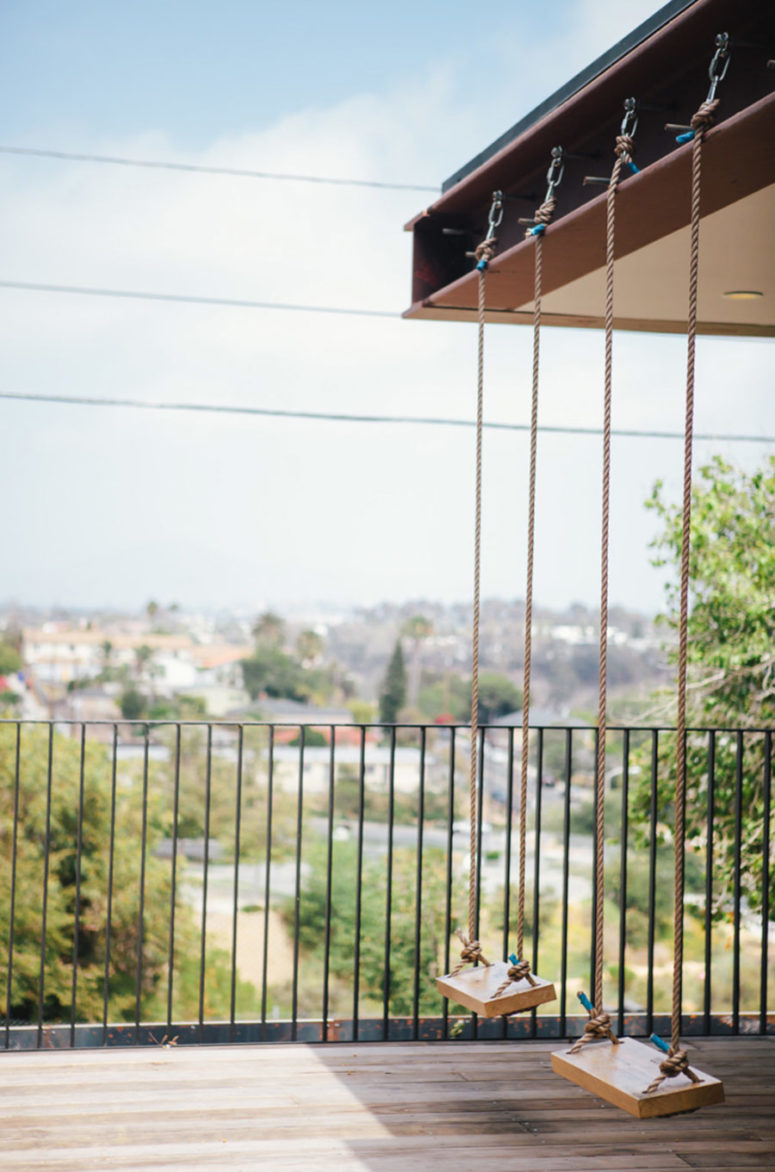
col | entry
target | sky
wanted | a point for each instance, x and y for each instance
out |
(110, 506)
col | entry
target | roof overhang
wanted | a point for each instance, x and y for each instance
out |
(665, 67)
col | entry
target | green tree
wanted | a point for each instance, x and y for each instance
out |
(497, 696)
(269, 630)
(133, 704)
(731, 659)
(309, 647)
(393, 695)
(312, 921)
(10, 660)
(417, 629)
(269, 671)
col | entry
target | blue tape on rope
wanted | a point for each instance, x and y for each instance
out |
(686, 137)
(655, 1038)
(481, 265)
(635, 170)
(585, 1002)
(539, 228)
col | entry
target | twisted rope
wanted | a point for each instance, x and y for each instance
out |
(543, 215)
(470, 953)
(702, 119)
(677, 1062)
(597, 1027)
(515, 972)
(623, 148)
(472, 775)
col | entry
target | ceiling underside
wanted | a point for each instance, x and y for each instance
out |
(737, 247)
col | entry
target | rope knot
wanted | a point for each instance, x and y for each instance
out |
(543, 214)
(677, 1062)
(470, 953)
(485, 251)
(518, 971)
(705, 116)
(597, 1027)
(624, 147)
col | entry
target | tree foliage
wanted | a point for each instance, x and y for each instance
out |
(393, 694)
(731, 660)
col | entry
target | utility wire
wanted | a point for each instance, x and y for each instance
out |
(191, 300)
(343, 417)
(239, 172)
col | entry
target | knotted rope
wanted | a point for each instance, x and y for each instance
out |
(516, 972)
(597, 1027)
(484, 253)
(677, 1062)
(704, 118)
(470, 953)
(542, 215)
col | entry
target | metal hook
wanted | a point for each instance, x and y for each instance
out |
(495, 218)
(719, 65)
(630, 120)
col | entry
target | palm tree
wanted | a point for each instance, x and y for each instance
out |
(269, 629)
(418, 628)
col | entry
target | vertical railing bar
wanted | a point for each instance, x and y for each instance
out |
(767, 791)
(12, 894)
(448, 876)
(77, 907)
(111, 871)
(173, 877)
(44, 909)
(235, 908)
(711, 814)
(386, 989)
(267, 877)
(623, 836)
(359, 888)
(507, 859)
(537, 866)
(205, 878)
(652, 878)
(297, 887)
(737, 881)
(141, 909)
(418, 886)
(599, 796)
(565, 881)
(329, 880)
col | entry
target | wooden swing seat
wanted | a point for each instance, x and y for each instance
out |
(475, 988)
(620, 1075)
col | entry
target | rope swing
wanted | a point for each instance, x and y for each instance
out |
(618, 1073)
(677, 1061)
(498, 992)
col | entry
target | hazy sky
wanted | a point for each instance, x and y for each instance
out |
(113, 506)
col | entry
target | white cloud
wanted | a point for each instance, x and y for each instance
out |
(116, 506)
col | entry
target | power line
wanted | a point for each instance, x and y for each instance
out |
(238, 172)
(133, 295)
(344, 417)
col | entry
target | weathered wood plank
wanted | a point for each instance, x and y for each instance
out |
(371, 1108)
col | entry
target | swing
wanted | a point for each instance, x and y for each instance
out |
(499, 988)
(629, 1074)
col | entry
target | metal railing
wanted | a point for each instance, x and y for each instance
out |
(209, 882)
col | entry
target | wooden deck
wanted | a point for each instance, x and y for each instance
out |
(379, 1108)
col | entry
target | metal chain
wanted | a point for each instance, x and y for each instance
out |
(473, 771)
(528, 655)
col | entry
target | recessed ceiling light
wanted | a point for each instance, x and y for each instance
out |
(743, 294)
